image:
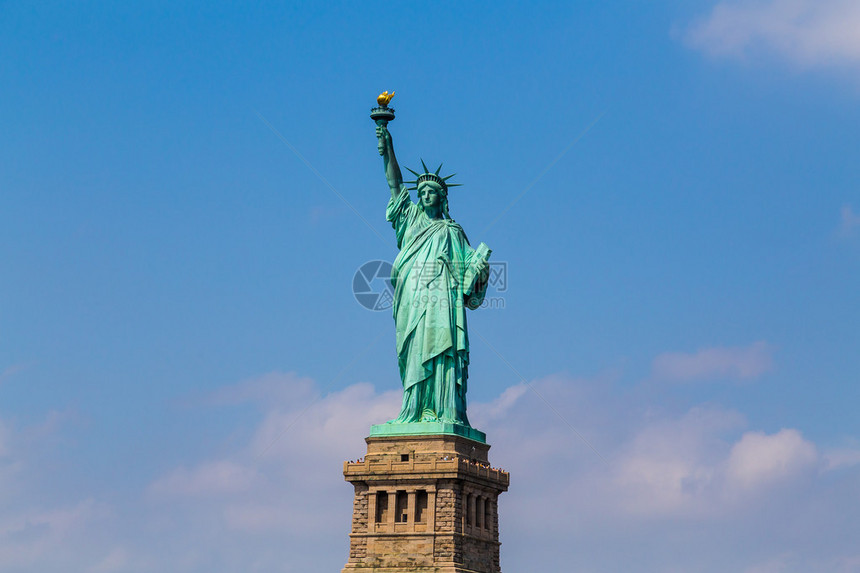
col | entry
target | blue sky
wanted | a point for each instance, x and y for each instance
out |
(186, 192)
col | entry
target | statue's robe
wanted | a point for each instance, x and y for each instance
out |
(430, 296)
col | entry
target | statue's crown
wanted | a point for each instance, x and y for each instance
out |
(431, 176)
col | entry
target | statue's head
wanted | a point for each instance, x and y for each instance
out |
(432, 196)
(432, 190)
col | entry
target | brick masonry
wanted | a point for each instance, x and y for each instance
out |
(425, 504)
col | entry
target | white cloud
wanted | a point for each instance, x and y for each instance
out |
(841, 458)
(218, 477)
(847, 564)
(325, 426)
(37, 534)
(849, 222)
(672, 466)
(4, 439)
(678, 489)
(759, 459)
(285, 481)
(689, 468)
(116, 560)
(731, 362)
(47, 539)
(804, 32)
(481, 414)
(19, 446)
(60, 520)
(776, 564)
(273, 388)
(11, 371)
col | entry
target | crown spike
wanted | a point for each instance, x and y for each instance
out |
(424, 165)
(454, 185)
(413, 172)
(446, 178)
(439, 169)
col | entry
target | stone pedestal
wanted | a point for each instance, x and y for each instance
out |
(425, 504)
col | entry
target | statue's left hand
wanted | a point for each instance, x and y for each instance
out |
(482, 269)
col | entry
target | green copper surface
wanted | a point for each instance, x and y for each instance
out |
(436, 276)
(425, 428)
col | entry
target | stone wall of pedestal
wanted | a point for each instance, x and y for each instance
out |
(425, 503)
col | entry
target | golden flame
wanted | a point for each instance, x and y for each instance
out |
(384, 98)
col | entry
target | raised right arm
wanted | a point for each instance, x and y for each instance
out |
(392, 169)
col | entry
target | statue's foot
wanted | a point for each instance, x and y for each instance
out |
(429, 416)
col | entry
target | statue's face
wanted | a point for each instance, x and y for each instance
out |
(430, 195)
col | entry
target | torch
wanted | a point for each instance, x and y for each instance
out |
(382, 115)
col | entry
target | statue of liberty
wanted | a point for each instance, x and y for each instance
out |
(436, 276)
